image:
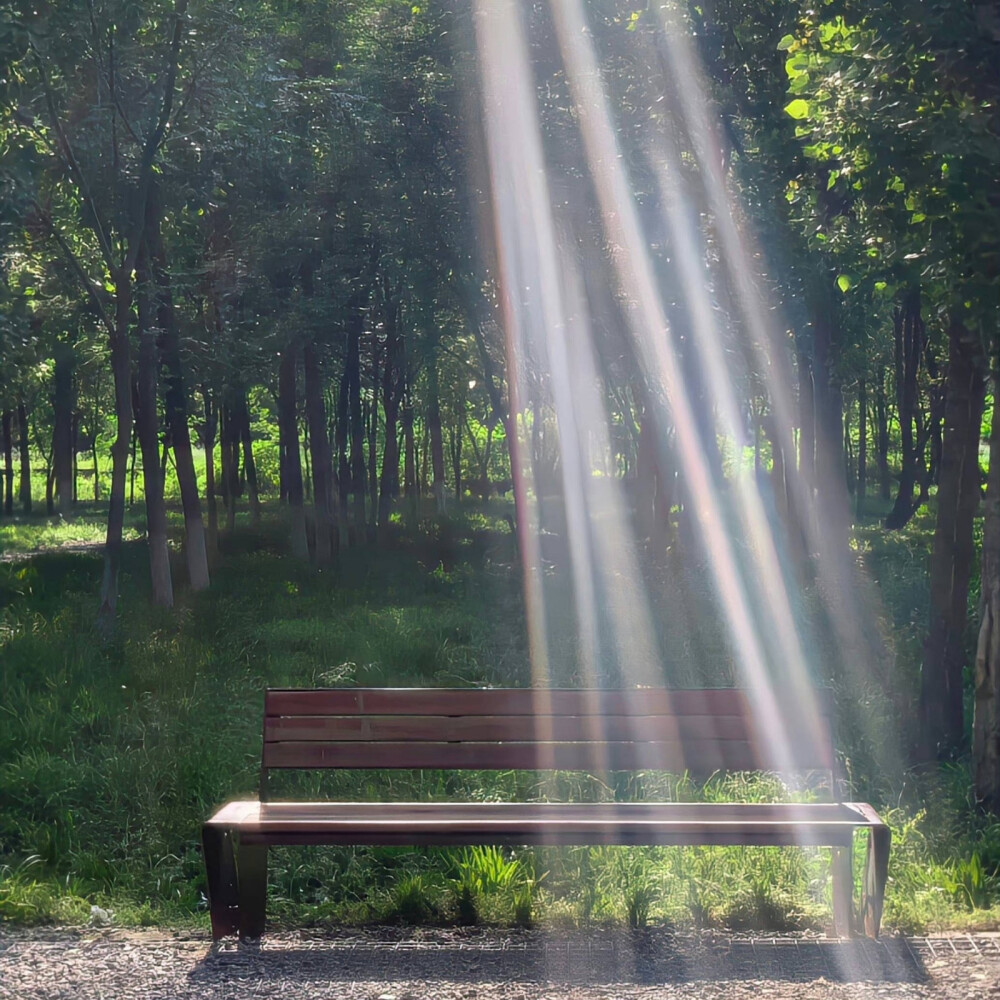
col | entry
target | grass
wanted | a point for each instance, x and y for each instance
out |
(112, 752)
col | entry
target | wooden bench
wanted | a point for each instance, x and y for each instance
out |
(598, 731)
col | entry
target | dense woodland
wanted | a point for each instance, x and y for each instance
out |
(253, 258)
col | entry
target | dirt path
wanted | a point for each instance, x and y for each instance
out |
(390, 964)
(76, 548)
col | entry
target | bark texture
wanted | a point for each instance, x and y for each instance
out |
(951, 558)
(986, 711)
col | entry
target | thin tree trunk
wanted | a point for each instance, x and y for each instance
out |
(8, 464)
(229, 452)
(120, 367)
(807, 422)
(410, 484)
(211, 421)
(75, 436)
(908, 334)
(373, 439)
(249, 465)
(289, 443)
(437, 442)
(882, 436)
(62, 431)
(832, 506)
(455, 447)
(941, 689)
(24, 458)
(147, 431)
(392, 393)
(986, 712)
(320, 447)
(94, 424)
(340, 440)
(357, 419)
(862, 448)
(175, 396)
(645, 485)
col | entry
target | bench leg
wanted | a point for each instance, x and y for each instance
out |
(251, 866)
(220, 869)
(876, 874)
(843, 891)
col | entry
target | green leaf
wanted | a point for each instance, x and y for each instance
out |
(843, 282)
(786, 43)
(832, 180)
(797, 109)
(880, 286)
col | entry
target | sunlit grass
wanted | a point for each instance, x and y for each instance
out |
(36, 534)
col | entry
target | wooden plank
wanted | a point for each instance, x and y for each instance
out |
(518, 701)
(551, 836)
(517, 728)
(701, 757)
(613, 813)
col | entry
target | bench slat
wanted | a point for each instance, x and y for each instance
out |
(701, 757)
(514, 701)
(518, 728)
(544, 823)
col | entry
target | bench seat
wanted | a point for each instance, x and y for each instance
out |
(814, 824)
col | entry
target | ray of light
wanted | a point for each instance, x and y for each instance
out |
(850, 597)
(560, 336)
(651, 335)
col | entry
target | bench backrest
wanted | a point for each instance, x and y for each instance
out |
(595, 730)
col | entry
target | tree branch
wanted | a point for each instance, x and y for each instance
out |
(72, 163)
(74, 262)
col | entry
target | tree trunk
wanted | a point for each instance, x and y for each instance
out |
(645, 485)
(437, 442)
(120, 368)
(147, 431)
(410, 483)
(75, 438)
(941, 689)
(340, 442)
(807, 422)
(357, 418)
(832, 504)
(373, 439)
(288, 433)
(195, 550)
(62, 429)
(882, 436)
(211, 422)
(391, 384)
(8, 464)
(24, 488)
(986, 712)
(862, 448)
(455, 447)
(908, 329)
(229, 454)
(249, 465)
(319, 445)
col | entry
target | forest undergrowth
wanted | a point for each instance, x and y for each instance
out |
(114, 751)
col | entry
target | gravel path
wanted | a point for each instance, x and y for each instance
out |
(413, 964)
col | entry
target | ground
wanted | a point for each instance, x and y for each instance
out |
(419, 964)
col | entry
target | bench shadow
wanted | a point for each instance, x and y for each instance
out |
(578, 958)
